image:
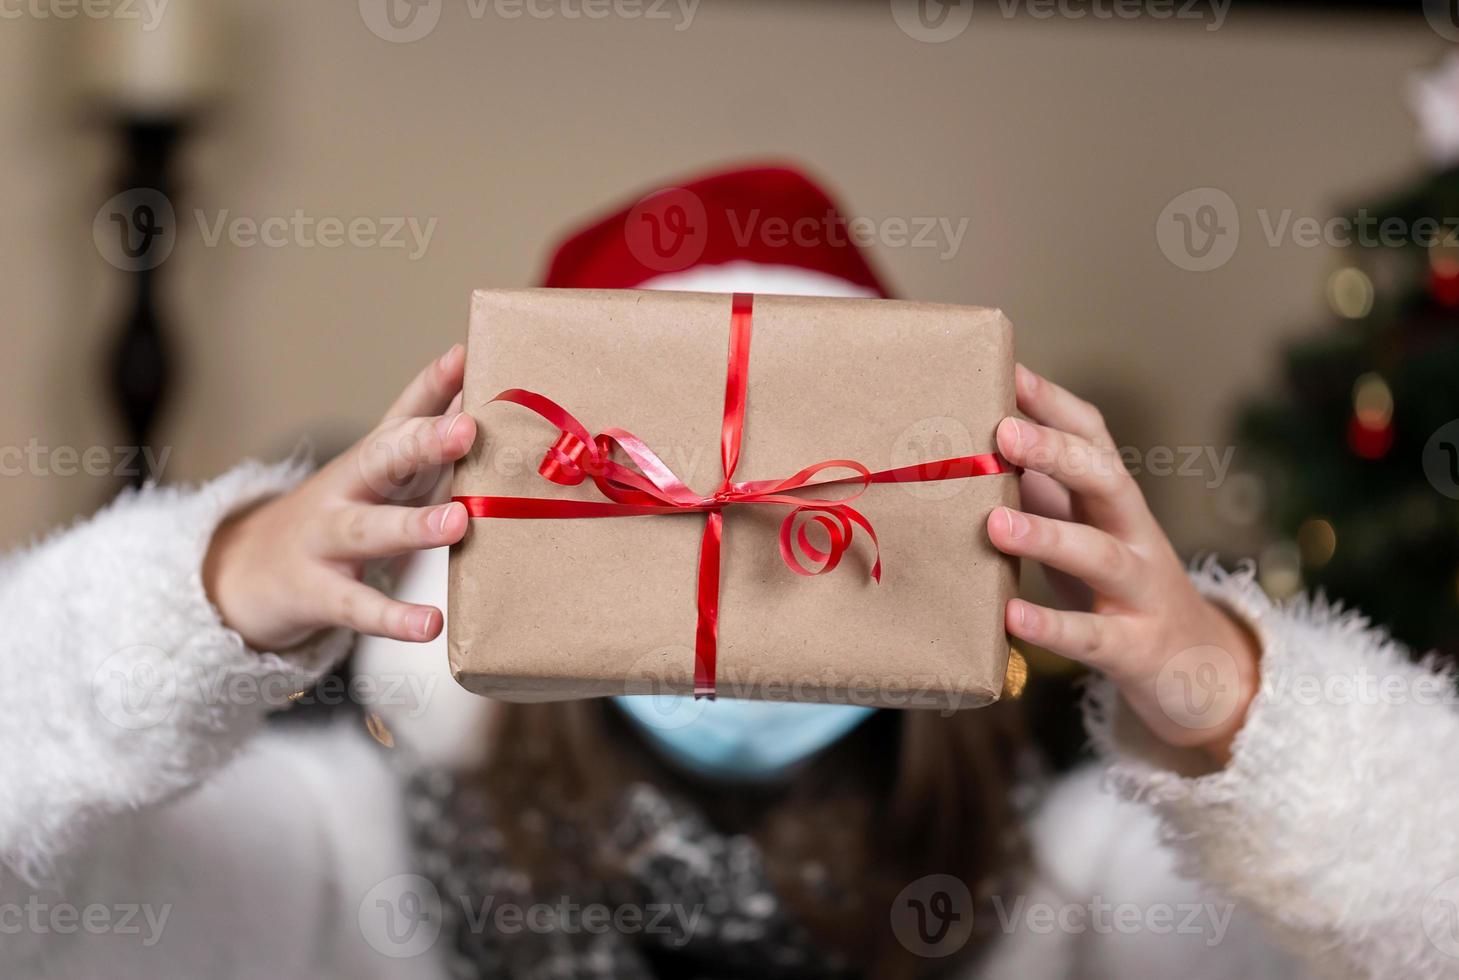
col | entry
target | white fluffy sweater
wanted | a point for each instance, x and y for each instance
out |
(150, 827)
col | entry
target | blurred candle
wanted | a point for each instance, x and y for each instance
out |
(152, 58)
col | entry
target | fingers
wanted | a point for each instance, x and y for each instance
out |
(1095, 474)
(404, 460)
(1045, 496)
(432, 390)
(1106, 564)
(1045, 402)
(364, 531)
(1089, 638)
(360, 608)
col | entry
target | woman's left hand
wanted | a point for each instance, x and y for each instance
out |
(284, 570)
(1185, 667)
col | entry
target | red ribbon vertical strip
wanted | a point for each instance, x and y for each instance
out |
(736, 382)
(706, 632)
(736, 385)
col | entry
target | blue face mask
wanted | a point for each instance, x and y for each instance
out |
(735, 740)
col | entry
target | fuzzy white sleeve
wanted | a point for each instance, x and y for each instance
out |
(1337, 817)
(119, 685)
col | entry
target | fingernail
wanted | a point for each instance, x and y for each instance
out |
(438, 517)
(1025, 377)
(1014, 428)
(446, 357)
(1022, 614)
(447, 423)
(419, 622)
(1017, 522)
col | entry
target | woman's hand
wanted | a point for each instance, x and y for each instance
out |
(291, 566)
(1182, 664)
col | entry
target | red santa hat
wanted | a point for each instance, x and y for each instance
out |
(759, 229)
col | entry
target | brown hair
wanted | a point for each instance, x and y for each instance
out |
(907, 794)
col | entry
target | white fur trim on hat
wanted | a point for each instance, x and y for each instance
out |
(753, 277)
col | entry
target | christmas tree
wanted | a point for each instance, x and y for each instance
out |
(1359, 455)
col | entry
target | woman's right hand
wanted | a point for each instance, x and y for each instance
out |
(1136, 615)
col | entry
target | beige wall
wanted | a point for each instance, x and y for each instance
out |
(1059, 141)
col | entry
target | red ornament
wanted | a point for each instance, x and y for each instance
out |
(1444, 283)
(1369, 441)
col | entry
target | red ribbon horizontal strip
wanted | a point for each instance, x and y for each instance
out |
(653, 489)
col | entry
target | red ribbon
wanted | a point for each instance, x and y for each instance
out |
(652, 488)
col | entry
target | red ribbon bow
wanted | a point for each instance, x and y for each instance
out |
(654, 489)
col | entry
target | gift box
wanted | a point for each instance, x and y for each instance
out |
(737, 496)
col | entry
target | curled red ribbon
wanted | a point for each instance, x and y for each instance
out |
(652, 488)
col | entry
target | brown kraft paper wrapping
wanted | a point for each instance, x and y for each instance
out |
(544, 610)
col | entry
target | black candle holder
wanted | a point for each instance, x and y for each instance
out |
(135, 232)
